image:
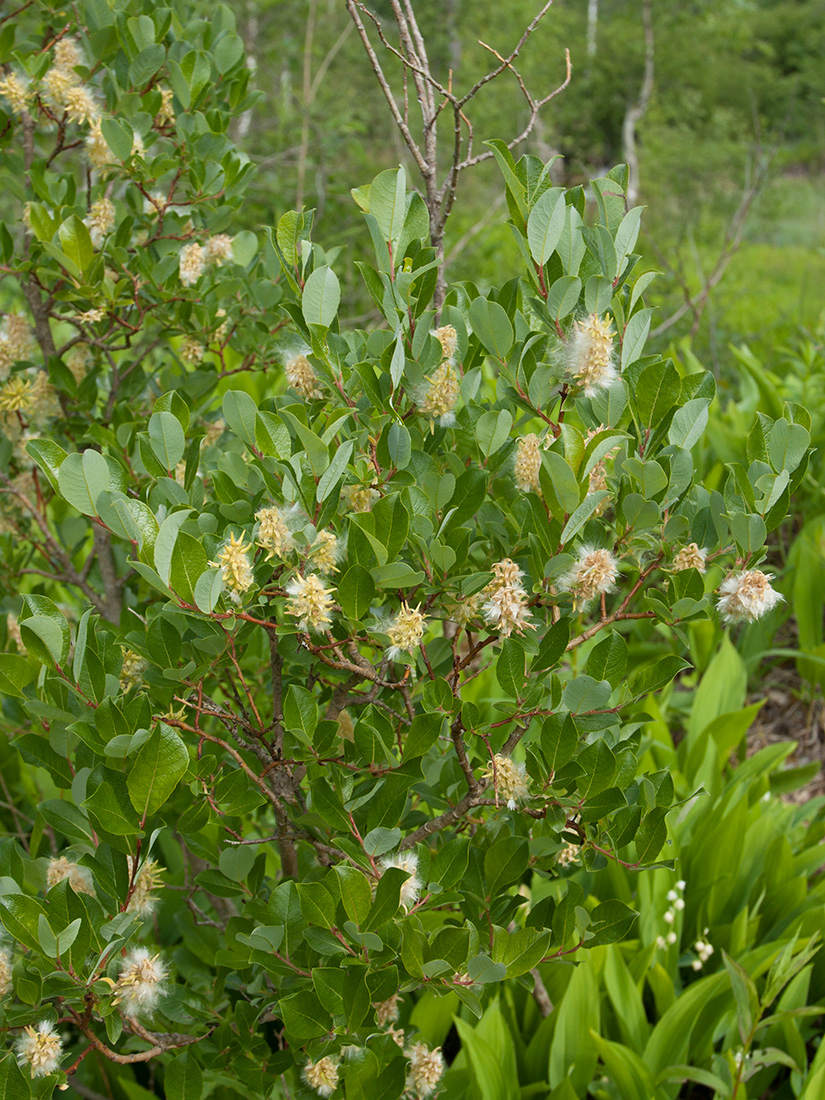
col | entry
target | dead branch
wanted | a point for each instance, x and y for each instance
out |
(433, 98)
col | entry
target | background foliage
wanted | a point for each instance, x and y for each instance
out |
(168, 709)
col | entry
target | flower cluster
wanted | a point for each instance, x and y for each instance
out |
(219, 249)
(570, 853)
(677, 904)
(131, 671)
(100, 220)
(100, 156)
(326, 552)
(140, 982)
(425, 1071)
(387, 1012)
(506, 600)
(448, 338)
(746, 597)
(40, 1049)
(594, 572)
(704, 949)
(235, 566)
(166, 112)
(309, 601)
(528, 463)
(80, 878)
(5, 972)
(16, 92)
(144, 899)
(16, 342)
(301, 376)
(509, 780)
(597, 478)
(590, 354)
(463, 612)
(440, 395)
(359, 498)
(690, 557)
(78, 359)
(191, 263)
(191, 350)
(273, 534)
(15, 395)
(405, 632)
(411, 889)
(322, 1076)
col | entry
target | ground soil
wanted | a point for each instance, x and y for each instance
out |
(793, 711)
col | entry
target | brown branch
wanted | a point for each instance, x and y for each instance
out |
(424, 168)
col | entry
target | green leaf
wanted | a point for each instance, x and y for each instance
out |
(608, 659)
(563, 296)
(13, 1085)
(167, 439)
(15, 673)
(244, 245)
(787, 445)
(492, 431)
(356, 590)
(317, 904)
(504, 862)
(558, 485)
(582, 514)
(599, 764)
(228, 52)
(300, 711)
(689, 423)
(492, 326)
(572, 1052)
(387, 895)
(321, 297)
(145, 65)
(559, 740)
(119, 137)
(49, 457)
(355, 892)
(304, 1017)
(107, 809)
(241, 415)
(652, 835)
(545, 224)
(188, 564)
(655, 676)
(82, 478)
(388, 202)
(159, 767)
(76, 242)
(183, 1079)
(166, 541)
(42, 638)
(520, 950)
(657, 390)
(510, 671)
(610, 922)
(334, 472)
(749, 531)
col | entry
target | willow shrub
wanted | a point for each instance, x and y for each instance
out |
(320, 655)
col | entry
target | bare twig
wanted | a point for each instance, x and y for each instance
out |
(434, 97)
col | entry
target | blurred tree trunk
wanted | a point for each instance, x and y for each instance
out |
(635, 112)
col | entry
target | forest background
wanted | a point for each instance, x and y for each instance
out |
(730, 140)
